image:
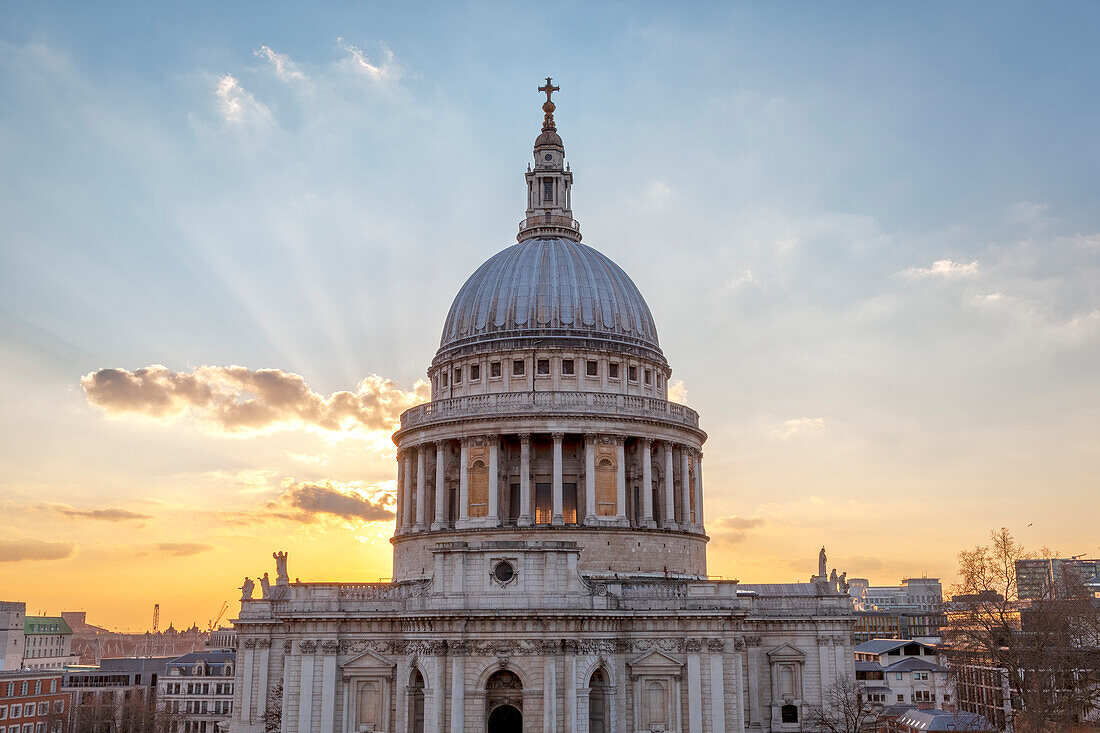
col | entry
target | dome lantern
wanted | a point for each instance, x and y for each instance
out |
(549, 183)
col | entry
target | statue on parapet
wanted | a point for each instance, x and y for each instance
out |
(265, 587)
(281, 578)
(246, 589)
(822, 564)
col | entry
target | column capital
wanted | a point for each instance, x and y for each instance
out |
(558, 437)
(524, 437)
(619, 439)
(646, 440)
(440, 444)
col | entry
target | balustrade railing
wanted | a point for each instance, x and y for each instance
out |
(554, 403)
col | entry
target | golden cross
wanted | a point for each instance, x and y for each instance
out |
(549, 89)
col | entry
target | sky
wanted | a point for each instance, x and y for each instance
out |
(229, 234)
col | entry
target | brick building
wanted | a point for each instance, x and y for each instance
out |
(32, 701)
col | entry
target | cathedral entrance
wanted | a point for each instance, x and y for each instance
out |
(504, 703)
(505, 719)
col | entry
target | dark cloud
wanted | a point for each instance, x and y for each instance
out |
(182, 549)
(32, 549)
(110, 514)
(314, 499)
(239, 400)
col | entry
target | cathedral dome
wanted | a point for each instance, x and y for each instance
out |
(550, 289)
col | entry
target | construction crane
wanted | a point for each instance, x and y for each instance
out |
(221, 612)
(156, 618)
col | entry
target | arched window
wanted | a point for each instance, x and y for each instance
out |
(598, 721)
(416, 702)
(656, 702)
(370, 705)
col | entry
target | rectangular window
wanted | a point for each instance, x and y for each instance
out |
(898, 675)
(592, 368)
(475, 372)
(517, 368)
(494, 369)
(567, 367)
(444, 379)
(543, 367)
(547, 189)
(633, 373)
(613, 370)
(648, 376)
(458, 375)
(542, 503)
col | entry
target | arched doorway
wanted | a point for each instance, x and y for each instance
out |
(504, 703)
(505, 719)
(416, 702)
(597, 703)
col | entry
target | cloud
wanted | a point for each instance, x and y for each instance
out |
(945, 268)
(237, 400)
(237, 105)
(182, 549)
(344, 500)
(731, 530)
(285, 69)
(106, 515)
(800, 426)
(677, 392)
(390, 69)
(32, 549)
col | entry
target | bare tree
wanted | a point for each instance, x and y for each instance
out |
(844, 709)
(273, 715)
(1046, 650)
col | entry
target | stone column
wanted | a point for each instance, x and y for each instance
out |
(463, 484)
(440, 520)
(589, 478)
(685, 484)
(670, 488)
(328, 686)
(752, 651)
(246, 657)
(264, 646)
(620, 480)
(739, 693)
(549, 695)
(647, 483)
(824, 661)
(458, 689)
(286, 725)
(695, 694)
(569, 692)
(525, 517)
(699, 490)
(399, 519)
(421, 486)
(717, 691)
(494, 480)
(407, 521)
(558, 517)
(305, 685)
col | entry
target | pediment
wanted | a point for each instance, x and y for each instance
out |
(654, 658)
(786, 651)
(368, 662)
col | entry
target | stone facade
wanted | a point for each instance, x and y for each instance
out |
(550, 544)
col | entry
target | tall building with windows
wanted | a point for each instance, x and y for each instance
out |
(549, 558)
(196, 691)
(48, 643)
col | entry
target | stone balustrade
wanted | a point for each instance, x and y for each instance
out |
(532, 404)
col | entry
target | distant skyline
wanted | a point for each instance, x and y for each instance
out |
(869, 235)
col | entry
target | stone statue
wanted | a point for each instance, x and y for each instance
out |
(246, 589)
(844, 582)
(281, 578)
(822, 564)
(265, 587)
(832, 576)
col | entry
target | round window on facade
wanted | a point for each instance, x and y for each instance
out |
(504, 573)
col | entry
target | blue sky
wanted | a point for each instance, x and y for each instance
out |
(868, 232)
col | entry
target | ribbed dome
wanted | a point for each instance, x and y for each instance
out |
(549, 288)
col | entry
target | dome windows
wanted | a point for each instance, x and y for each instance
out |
(613, 370)
(475, 372)
(542, 367)
(592, 368)
(567, 367)
(494, 370)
